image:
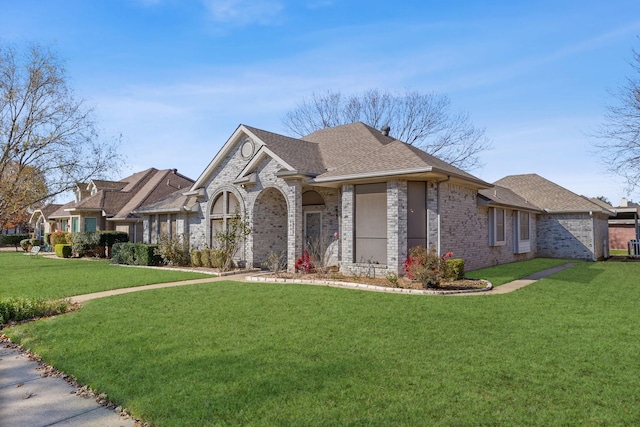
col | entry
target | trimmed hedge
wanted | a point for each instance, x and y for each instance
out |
(111, 237)
(13, 239)
(63, 250)
(135, 254)
(60, 237)
(456, 267)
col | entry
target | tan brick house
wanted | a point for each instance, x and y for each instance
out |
(110, 205)
(379, 196)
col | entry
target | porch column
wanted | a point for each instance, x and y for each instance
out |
(433, 216)
(396, 225)
(294, 224)
(346, 233)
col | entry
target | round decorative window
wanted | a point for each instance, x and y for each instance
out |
(247, 148)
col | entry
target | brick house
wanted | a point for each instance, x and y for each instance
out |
(109, 205)
(368, 198)
(624, 227)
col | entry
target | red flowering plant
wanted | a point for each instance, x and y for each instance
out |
(304, 264)
(427, 267)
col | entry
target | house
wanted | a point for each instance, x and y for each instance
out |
(624, 227)
(110, 205)
(369, 198)
(569, 226)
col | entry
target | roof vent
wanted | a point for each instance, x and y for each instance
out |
(385, 130)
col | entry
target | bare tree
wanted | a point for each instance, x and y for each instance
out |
(618, 137)
(421, 119)
(48, 139)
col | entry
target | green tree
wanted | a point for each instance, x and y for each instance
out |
(48, 138)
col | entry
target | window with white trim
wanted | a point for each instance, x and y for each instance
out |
(497, 221)
(521, 240)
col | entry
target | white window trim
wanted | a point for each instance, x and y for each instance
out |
(521, 246)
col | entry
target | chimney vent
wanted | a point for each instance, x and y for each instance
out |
(385, 130)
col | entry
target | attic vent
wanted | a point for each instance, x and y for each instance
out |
(385, 130)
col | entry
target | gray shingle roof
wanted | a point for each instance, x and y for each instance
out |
(301, 155)
(502, 196)
(343, 144)
(547, 195)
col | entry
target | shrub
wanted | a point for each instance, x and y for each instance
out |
(275, 262)
(59, 237)
(229, 241)
(13, 239)
(108, 238)
(85, 243)
(123, 253)
(427, 267)
(196, 258)
(455, 268)
(24, 244)
(63, 250)
(174, 250)
(146, 255)
(205, 258)
(304, 264)
(18, 309)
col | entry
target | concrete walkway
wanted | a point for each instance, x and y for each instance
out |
(31, 394)
(521, 283)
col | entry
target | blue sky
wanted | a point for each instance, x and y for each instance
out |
(176, 77)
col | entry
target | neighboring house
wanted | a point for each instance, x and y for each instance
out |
(380, 196)
(624, 227)
(570, 226)
(110, 205)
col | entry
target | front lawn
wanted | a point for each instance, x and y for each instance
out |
(39, 277)
(562, 351)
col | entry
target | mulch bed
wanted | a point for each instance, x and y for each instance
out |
(383, 282)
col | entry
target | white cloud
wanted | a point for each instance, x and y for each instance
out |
(245, 12)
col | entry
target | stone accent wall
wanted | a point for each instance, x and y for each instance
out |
(566, 236)
(396, 226)
(347, 232)
(433, 219)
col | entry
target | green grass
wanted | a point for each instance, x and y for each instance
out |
(562, 351)
(40, 277)
(501, 274)
(618, 252)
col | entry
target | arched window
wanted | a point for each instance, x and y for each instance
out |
(225, 206)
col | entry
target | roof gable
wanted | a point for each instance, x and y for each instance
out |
(548, 195)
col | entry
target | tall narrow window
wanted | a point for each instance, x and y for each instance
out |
(371, 223)
(497, 220)
(522, 241)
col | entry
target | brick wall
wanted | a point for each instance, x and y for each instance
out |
(566, 236)
(620, 234)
